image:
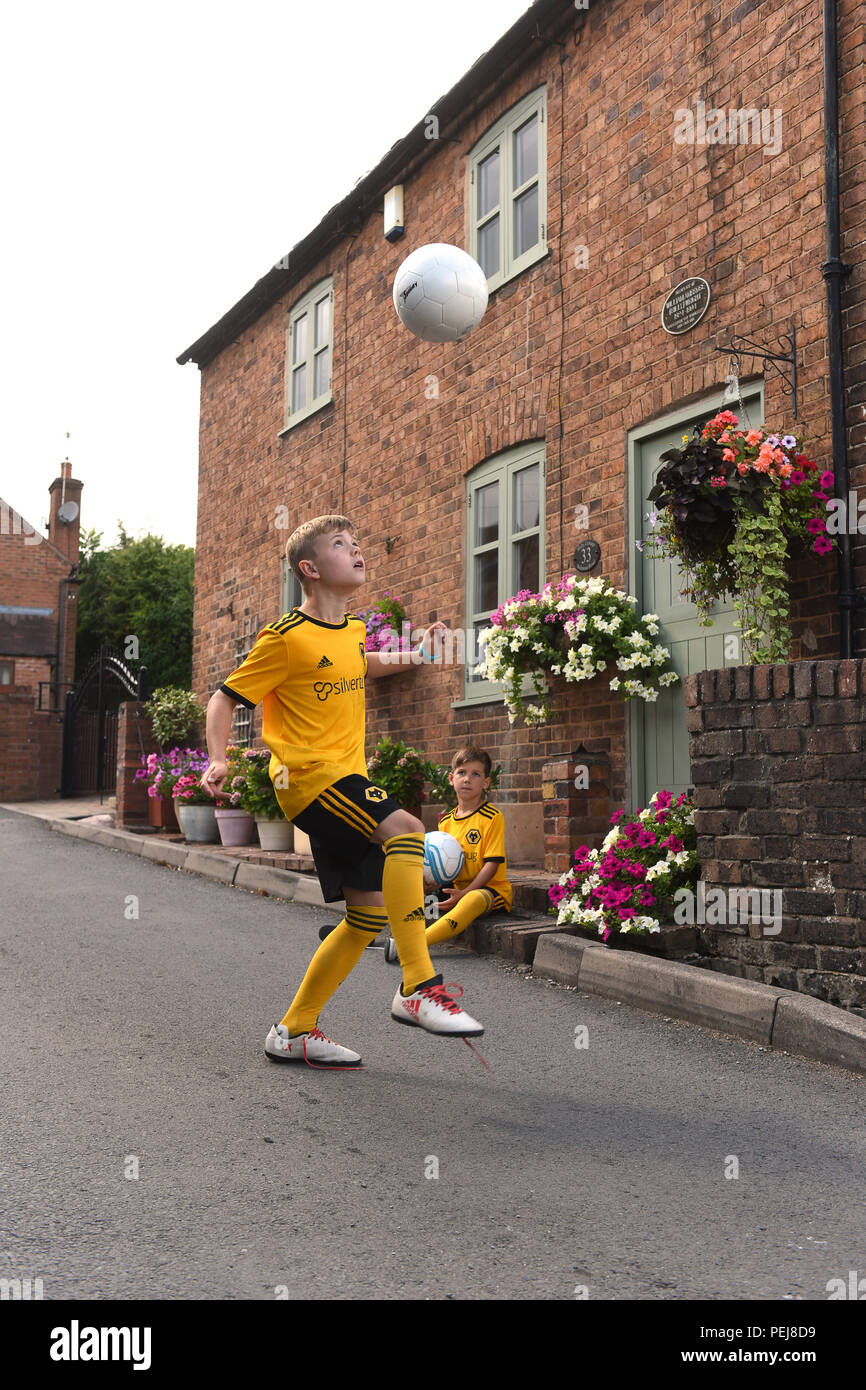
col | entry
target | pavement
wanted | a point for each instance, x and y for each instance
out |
(778, 1019)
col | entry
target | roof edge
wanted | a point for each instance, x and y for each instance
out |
(493, 69)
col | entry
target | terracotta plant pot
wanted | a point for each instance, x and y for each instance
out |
(160, 813)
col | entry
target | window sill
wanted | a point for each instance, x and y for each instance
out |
(305, 415)
(544, 253)
(491, 698)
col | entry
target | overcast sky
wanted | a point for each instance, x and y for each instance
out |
(157, 160)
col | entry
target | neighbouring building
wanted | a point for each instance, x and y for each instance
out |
(555, 162)
(38, 624)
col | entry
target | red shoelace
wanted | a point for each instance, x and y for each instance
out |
(442, 995)
(326, 1066)
(439, 994)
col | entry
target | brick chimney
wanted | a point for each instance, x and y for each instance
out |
(64, 534)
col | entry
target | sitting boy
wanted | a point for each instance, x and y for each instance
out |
(479, 828)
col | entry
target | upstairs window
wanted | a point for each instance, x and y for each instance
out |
(508, 188)
(309, 346)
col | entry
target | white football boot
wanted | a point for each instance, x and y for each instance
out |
(433, 1008)
(312, 1047)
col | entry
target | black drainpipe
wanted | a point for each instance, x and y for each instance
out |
(833, 269)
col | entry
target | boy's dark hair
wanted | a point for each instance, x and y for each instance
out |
(472, 754)
(302, 542)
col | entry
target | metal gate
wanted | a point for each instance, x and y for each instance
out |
(90, 721)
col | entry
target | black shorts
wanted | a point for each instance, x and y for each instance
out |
(339, 823)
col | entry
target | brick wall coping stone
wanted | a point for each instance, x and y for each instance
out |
(777, 1018)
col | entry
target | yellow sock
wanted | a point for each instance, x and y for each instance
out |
(458, 917)
(403, 891)
(337, 956)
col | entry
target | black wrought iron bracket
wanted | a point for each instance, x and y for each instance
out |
(769, 359)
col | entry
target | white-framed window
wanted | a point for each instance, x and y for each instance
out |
(508, 191)
(504, 548)
(309, 344)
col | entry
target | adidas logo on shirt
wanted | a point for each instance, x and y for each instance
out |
(324, 662)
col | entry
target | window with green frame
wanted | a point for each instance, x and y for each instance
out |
(508, 191)
(291, 593)
(504, 547)
(309, 342)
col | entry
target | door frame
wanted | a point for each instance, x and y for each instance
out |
(752, 393)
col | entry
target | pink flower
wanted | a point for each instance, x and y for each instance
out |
(827, 478)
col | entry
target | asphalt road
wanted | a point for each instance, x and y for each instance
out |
(135, 1044)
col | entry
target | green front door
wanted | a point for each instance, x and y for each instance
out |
(659, 738)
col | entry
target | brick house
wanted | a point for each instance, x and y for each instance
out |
(38, 624)
(553, 161)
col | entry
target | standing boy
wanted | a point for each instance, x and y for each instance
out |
(308, 669)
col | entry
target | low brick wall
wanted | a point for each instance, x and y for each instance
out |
(778, 759)
(31, 747)
(577, 805)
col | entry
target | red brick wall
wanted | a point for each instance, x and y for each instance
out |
(31, 747)
(778, 761)
(650, 213)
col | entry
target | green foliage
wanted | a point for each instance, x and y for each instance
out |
(173, 712)
(400, 770)
(143, 588)
(248, 773)
(442, 790)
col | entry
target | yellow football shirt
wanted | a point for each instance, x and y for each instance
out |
(481, 836)
(309, 676)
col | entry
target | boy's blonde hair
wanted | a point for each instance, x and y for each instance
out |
(301, 544)
(472, 754)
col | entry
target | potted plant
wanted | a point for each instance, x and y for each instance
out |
(260, 799)
(161, 771)
(387, 625)
(196, 808)
(574, 629)
(401, 771)
(173, 711)
(235, 824)
(627, 887)
(726, 506)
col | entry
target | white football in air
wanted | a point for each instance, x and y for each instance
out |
(440, 293)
